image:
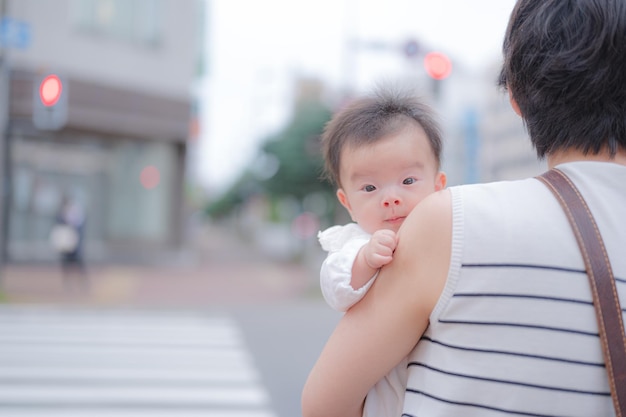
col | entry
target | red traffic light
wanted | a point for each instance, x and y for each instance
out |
(50, 90)
(438, 65)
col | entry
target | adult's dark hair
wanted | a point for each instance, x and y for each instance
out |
(369, 118)
(565, 66)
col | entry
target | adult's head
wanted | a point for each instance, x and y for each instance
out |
(371, 118)
(565, 68)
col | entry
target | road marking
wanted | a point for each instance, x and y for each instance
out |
(74, 362)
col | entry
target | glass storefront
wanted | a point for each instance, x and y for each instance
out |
(106, 177)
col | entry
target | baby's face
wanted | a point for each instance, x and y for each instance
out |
(382, 182)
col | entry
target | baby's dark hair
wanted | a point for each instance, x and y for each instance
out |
(369, 118)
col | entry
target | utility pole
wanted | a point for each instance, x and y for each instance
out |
(4, 124)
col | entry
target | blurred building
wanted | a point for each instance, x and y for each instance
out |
(119, 147)
(485, 140)
(506, 151)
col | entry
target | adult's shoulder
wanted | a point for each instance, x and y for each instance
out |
(434, 212)
(422, 257)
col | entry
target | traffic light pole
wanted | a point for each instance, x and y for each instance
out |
(4, 124)
(4, 156)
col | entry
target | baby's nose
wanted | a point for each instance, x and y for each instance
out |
(391, 201)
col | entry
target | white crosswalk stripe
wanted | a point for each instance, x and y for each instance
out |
(125, 363)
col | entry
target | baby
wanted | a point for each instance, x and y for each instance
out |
(383, 153)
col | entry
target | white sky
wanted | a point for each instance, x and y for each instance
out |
(256, 47)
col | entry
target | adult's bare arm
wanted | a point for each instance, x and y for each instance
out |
(375, 334)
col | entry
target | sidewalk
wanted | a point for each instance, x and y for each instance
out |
(223, 271)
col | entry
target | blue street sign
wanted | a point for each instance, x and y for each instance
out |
(14, 33)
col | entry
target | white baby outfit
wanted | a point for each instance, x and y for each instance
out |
(343, 243)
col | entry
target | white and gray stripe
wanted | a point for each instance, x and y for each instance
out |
(515, 332)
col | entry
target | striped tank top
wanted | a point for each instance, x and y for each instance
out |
(514, 332)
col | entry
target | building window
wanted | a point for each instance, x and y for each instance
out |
(129, 20)
(105, 177)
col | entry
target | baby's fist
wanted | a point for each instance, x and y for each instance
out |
(380, 248)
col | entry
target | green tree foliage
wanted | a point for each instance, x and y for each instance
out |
(296, 150)
(232, 198)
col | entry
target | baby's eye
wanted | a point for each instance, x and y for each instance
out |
(369, 188)
(408, 181)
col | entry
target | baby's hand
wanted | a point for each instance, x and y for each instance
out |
(379, 250)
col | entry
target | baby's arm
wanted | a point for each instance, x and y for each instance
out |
(372, 256)
(339, 288)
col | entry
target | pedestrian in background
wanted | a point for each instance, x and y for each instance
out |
(67, 237)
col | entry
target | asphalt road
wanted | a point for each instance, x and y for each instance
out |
(285, 340)
(233, 305)
(239, 361)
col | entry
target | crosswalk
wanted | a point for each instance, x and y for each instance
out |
(104, 363)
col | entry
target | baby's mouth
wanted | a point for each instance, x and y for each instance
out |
(395, 219)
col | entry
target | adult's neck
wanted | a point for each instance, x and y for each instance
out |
(573, 155)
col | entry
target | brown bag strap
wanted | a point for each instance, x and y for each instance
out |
(605, 297)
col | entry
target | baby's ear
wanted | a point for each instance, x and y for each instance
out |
(440, 181)
(343, 199)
